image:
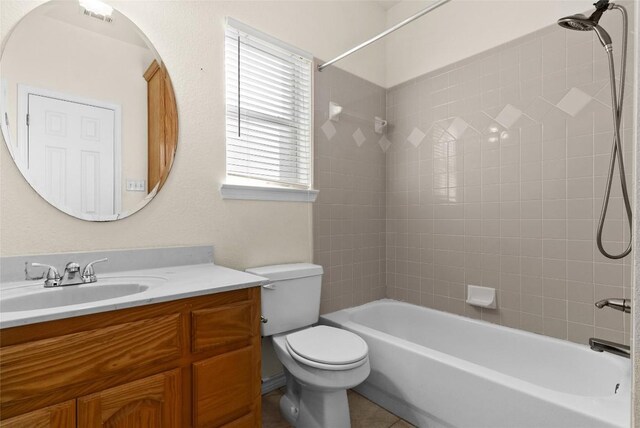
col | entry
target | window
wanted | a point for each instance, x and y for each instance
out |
(268, 92)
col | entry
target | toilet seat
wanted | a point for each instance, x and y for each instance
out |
(327, 348)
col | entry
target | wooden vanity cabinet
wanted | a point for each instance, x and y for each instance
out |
(187, 363)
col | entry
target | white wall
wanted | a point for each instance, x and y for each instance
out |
(189, 36)
(462, 28)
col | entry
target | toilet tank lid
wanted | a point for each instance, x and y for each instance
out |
(287, 271)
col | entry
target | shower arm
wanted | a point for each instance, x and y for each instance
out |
(616, 151)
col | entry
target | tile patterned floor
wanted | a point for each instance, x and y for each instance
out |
(364, 413)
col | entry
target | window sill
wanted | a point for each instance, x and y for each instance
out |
(261, 193)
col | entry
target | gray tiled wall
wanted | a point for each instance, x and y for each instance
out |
(495, 177)
(349, 214)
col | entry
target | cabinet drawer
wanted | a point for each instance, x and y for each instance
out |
(40, 367)
(61, 415)
(225, 325)
(225, 387)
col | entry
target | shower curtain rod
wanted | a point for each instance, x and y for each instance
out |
(384, 33)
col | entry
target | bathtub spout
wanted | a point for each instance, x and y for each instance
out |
(601, 345)
(623, 305)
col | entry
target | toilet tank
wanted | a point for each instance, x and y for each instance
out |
(291, 300)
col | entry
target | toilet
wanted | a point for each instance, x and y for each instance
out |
(321, 362)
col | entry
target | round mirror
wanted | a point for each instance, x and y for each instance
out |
(87, 109)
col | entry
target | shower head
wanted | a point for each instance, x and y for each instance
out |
(580, 22)
(577, 22)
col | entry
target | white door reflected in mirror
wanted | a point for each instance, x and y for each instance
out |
(71, 155)
(87, 109)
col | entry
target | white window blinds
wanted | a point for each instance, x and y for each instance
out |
(268, 108)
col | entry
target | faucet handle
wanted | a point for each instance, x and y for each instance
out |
(88, 274)
(53, 277)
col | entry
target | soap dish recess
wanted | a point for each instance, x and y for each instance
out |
(485, 297)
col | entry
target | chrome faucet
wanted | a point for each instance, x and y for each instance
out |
(601, 345)
(70, 276)
(71, 270)
(623, 305)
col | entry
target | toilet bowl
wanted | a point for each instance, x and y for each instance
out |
(317, 378)
(320, 363)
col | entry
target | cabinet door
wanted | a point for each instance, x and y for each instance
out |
(226, 388)
(61, 415)
(149, 402)
(162, 124)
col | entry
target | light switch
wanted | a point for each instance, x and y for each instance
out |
(136, 185)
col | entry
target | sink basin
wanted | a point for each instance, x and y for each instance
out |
(45, 298)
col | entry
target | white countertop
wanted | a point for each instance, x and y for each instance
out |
(164, 284)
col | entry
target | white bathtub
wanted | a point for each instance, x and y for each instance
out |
(436, 369)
